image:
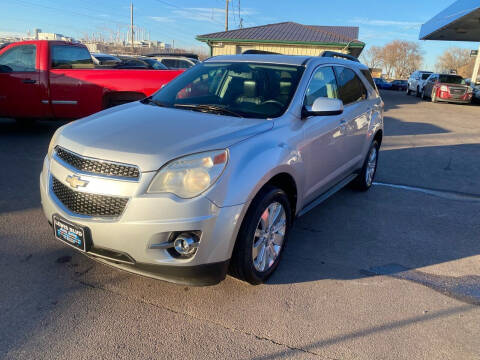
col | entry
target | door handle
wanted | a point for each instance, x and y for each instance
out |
(29, 81)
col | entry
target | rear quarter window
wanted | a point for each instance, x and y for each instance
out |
(70, 57)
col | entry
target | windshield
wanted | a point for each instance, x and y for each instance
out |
(246, 89)
(452, 79)
(425, 76)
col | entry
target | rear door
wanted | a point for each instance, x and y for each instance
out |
(20, 93)
(71, 94)
(356, 115)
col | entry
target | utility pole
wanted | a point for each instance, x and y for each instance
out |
(226, 15)
(131, 23)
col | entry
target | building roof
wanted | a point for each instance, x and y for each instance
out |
(288, 32)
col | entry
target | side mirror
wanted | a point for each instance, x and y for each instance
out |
(323, 106)
(5, 69)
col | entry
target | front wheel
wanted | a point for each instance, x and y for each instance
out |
(364, 180)
(262, 236)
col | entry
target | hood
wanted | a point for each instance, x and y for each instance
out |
(149, 136)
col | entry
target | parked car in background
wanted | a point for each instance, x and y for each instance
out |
(209, 173)
(415, 81)
(476, 94)
(400, 85)
(382, 84)
(177, 62)
(105, 60)
(446, 87)
(58, 79)
(140, 62)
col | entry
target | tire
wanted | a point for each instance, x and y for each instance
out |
(246, 264)
(364, 180)
(417, 93)
(423, 95)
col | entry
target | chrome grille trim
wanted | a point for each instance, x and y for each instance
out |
(92, 166)
(87, 204)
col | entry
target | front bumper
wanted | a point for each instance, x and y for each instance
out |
(147, 221)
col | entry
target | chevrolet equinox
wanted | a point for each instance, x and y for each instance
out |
(206, 176)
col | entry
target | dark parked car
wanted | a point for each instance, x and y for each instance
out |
(400, 85)
(382, 84)
(141, 62)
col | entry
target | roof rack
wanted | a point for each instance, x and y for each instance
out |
(256, 52)
(335, 54)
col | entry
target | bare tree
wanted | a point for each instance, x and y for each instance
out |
(372, 57)
(400, 58)
(457, 59)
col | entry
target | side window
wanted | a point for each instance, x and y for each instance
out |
(323, 84)
(170, 63)
(184, 64)
(71, 57)
(21, 58)
(350, 87)
(369, 78)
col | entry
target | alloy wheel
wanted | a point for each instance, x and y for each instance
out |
(371, 166)
(269, 237)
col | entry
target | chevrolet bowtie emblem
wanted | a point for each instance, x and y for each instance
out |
(75, 181)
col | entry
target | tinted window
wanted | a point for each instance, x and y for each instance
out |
(350, 87)
(20, 58)
(182, 64)
(247, 89)
(368, 76)
(452, 79)
(71, 57)
(170, 63)
(425, 76)
(323, 84)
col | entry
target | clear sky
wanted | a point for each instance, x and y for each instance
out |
(380, 21)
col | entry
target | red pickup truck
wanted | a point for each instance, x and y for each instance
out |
(57, 79)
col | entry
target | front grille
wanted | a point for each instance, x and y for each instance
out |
(88, 204)
(457, 91)
(97, 166)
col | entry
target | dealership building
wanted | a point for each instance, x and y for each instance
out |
(288, 38)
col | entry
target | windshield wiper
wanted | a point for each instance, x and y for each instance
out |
(149, 100)
(208, 107)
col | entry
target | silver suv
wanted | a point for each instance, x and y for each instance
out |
(416, 81)
(207, 175)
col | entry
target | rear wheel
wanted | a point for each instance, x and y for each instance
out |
(364, 180)
(262, 236)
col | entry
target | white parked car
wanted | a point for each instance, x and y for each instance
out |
(416, 81)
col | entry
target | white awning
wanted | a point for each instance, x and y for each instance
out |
(458, 22)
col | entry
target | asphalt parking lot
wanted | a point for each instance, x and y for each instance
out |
(389, 274)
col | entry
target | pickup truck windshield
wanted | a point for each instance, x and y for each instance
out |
(233, 88)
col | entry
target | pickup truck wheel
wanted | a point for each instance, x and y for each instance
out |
(262, 236)
(364, 180)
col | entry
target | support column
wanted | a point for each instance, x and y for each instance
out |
(476, 67)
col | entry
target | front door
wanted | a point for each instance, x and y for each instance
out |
(324, 150)
(20, 93)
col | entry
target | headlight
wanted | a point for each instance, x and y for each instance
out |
(53, 141)
(444, 88)
(190, 175)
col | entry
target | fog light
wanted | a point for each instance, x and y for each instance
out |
(186, 244)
